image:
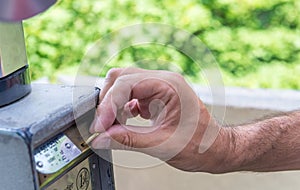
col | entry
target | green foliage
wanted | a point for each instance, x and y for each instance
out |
(256, 43)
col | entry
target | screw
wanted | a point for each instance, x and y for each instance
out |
(68, 146)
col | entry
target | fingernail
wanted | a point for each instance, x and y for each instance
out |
(132, 104)
(101, 142)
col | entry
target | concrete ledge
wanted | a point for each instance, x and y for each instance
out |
(264, 99)
(261, 99)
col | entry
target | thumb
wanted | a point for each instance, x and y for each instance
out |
(123, 137)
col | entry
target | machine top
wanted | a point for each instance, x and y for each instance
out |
(47, 110)
(17, 10)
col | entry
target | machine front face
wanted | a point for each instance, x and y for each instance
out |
(66, 162)
(42, 142)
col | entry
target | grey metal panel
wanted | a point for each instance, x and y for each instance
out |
(46, 110)
(34, 119)
(106, 178)
(15, 163)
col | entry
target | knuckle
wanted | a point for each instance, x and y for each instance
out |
(113, 73)
(123, 81)
(128, 141)
(131, 70)
(178, 76)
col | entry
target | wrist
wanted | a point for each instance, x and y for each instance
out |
(225, 146)
(219, 157)
(243, 147)
(234, 150)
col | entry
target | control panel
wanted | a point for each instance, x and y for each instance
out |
(63, 162)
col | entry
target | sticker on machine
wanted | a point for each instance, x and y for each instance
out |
(55, 154)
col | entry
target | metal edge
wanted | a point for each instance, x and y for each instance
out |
(14, 86)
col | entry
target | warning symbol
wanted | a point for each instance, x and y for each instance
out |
(83, 179)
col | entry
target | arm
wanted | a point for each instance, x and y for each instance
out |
(269, 145)
(179, 123)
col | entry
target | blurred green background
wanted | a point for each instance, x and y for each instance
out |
(255, 42)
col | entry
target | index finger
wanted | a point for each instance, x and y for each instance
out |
(115, 97)
(111, 77)
(109, 80)
(121, 92)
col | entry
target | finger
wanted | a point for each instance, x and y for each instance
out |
(133, 107)
(130, 110)
(113, 74)
(153, 95)
(115, 99)
(110, 78)
(125, 88)
(126, 138)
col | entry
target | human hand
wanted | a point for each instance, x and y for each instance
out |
(179, 120)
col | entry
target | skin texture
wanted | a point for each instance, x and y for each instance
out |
(269, 145)
(179, 122)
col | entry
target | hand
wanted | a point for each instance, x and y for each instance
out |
(179, 120)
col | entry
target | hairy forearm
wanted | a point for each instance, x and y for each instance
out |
(269, 145)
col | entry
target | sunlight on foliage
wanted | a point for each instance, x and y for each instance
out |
(256, 43)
